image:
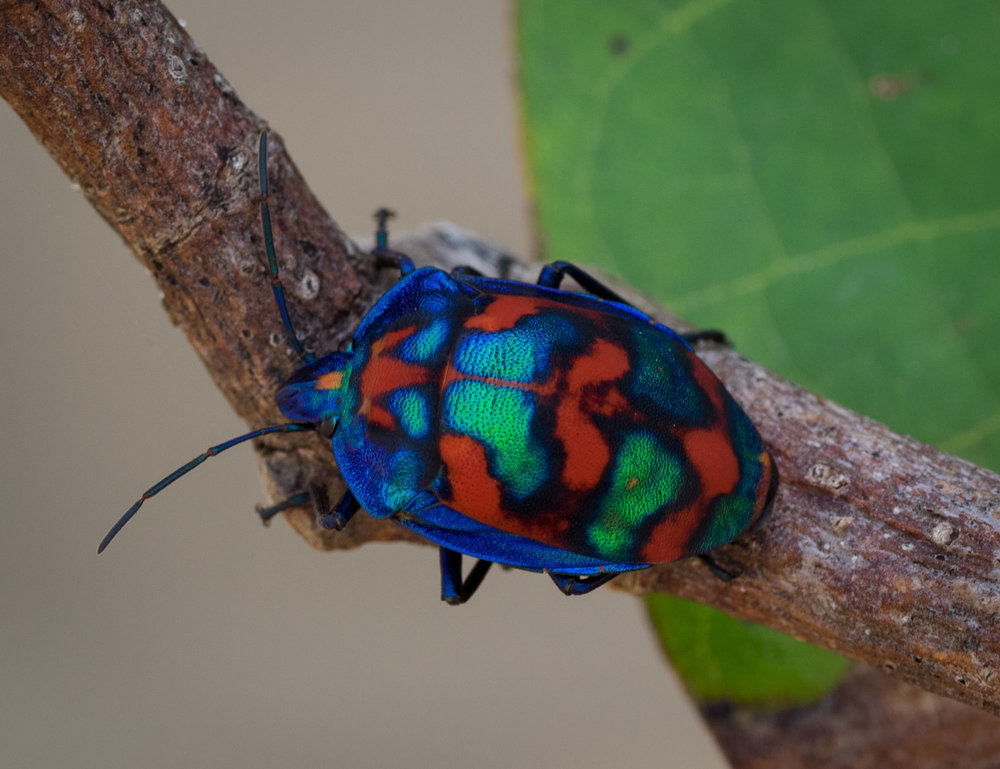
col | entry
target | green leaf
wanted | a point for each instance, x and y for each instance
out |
(821, 180)
(721, 658)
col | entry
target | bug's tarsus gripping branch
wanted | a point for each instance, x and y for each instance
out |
(337, 517)
(454, 590)
(571, 584)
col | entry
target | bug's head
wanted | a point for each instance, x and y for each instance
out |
(313, 393)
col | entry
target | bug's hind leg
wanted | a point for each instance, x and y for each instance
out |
(553, 274)
(454, 590)
(335, 517)
(717, 571)
(382, 253)
(708, 335)
(574, 584)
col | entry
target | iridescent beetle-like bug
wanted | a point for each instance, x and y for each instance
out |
(523, 425)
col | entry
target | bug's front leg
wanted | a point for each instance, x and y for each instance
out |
(454, 590)
(383, 254)
(267, 513)
(335, 517)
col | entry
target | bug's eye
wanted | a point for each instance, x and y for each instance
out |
(326, 427)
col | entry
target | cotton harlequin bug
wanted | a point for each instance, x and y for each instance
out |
(521, 424)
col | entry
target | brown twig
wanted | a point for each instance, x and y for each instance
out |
(878, 547)
(871, 721)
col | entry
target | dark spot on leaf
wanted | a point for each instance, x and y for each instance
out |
(618, 45)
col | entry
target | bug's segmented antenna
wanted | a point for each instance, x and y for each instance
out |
(272, 259)
(292, 427)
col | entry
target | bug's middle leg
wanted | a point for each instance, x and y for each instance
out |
(707, 335)
(455, 590)
(552, 276)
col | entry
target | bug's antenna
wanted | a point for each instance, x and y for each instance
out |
(272, 259)
(292, 427)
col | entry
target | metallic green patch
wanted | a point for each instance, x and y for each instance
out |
(727, 517)
(500, 419)
(405, 468)
(412, 412)
(646, 478)
(423, 345)
(500, 355)
(521, 354)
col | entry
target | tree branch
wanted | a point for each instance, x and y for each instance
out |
(870, 721)
(878, 547)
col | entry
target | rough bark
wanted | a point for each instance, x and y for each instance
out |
(871, 721)
(878, 547)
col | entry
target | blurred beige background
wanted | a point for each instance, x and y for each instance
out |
(207, 640)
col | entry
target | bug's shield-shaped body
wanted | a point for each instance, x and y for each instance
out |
(533, 427)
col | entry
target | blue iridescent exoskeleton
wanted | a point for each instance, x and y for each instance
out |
(524, 425)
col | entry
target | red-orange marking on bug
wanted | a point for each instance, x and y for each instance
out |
(586, 450)
(384, 373)
(716, 466)
(505, 311)
(331, 380)
(473, 490)
(763, 486)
